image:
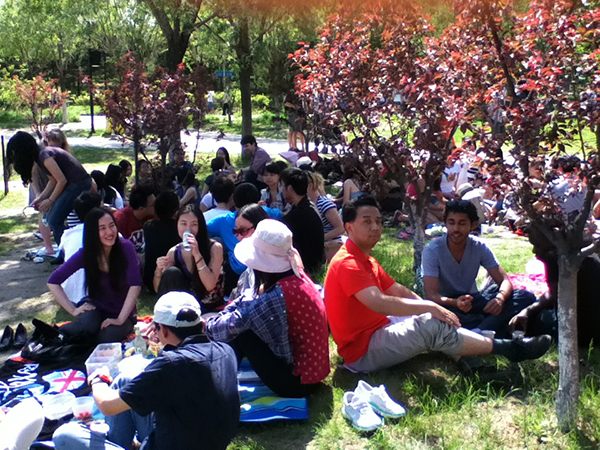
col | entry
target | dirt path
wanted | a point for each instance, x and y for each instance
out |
(23, 291)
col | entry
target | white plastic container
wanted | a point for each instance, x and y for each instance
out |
(57, 406)
(83, 407)
(105, 355)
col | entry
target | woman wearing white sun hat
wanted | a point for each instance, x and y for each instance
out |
(282, 326)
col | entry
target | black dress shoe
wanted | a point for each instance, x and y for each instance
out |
(58, 260)
(20, 336)
(7, 338)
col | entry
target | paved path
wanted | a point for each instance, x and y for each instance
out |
(207, 142)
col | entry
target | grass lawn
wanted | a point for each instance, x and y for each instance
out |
(445, 409)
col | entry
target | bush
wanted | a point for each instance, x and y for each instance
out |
(9, 98)
(80, 100)
(260, 102)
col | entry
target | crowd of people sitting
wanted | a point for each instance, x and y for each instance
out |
(234, 275)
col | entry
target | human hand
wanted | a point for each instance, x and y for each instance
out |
(446, 316)
(104, 370)
(464, 303)
(110, 322)
(163, 263)
(150, 333)
(519, 322)
(262, 203)
(494, 306)
(83, 308)
(44, 205)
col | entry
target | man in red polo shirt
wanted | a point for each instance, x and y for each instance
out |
(377, 323)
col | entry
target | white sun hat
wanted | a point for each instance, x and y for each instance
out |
(269, 249)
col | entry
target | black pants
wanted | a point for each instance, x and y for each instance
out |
(173, 279)
(88, 325)
(272, 370)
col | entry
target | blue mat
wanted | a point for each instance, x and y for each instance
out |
(261, 404)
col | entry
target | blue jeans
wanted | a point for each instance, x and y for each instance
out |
(76, 436)
(476, 318)
(63, 205)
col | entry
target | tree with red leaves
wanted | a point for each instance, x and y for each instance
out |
(43, 99)
(152, 109)
(545, 64)
(350, 78)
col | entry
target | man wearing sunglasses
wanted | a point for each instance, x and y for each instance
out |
(186, 398)
(450, 266)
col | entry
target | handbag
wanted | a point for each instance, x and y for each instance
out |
(50, 345)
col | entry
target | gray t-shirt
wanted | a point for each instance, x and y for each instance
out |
(456, 278)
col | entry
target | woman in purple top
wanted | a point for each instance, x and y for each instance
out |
(66, 177)
(113, 278)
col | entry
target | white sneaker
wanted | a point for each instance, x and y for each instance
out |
(360, 413)
(379, 399)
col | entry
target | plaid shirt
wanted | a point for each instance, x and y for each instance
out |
(265, 315)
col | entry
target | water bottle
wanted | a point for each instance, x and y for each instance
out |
(139, 343)
(184, 243)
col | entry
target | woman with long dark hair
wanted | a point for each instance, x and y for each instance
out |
(66, 178)
(113, 279)
(223, 153)
(191, 192)
(195, 265)
(115, 180)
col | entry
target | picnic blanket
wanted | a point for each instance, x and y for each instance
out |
(261, 404)
(21, 379)
(534, 283)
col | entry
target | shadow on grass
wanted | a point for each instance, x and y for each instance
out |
(94, 155)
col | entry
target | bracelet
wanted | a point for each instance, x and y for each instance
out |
(201, 268)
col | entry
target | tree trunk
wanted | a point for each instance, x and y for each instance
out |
(244, 54)
(136, 152)
(418, 246)
(65, 113)
(568, 385)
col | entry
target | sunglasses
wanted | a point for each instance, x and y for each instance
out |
(242, 231)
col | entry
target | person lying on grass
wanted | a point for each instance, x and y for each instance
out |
(377, 323)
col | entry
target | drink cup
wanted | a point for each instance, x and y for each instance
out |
(518, 334)
(184, 242)
(83, 407)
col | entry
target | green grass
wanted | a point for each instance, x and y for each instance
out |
(264, 125)
(14, 199)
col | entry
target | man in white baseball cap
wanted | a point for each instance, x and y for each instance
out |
(186, 398)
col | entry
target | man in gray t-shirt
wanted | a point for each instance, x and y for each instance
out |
(450, 266)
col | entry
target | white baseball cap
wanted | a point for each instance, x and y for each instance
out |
(169, 305)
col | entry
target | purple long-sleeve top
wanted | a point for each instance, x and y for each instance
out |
(110, 301)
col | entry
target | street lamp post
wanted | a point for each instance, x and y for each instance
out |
(95, 58)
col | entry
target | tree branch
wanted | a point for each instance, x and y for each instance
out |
(214, 33)
(161, 18)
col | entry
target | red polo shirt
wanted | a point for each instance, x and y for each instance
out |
(351, 322)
